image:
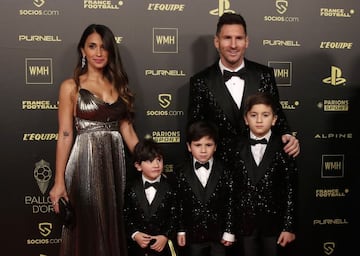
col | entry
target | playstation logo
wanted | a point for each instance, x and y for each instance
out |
(335, 77)
(224, 6)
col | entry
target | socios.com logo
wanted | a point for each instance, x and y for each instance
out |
(335, 77)
(329, 248)
(164, 99)
(281, 6)
(39, 3)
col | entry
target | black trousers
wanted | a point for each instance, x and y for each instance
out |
(259, 245)
(254, 245)
(204, 249)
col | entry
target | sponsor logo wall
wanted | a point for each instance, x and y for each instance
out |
(313, 47)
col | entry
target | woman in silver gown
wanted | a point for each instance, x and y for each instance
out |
(90, 171)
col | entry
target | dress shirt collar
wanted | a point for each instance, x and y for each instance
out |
(211, 161)
(222, 67)
(267, 136)
(151, 181)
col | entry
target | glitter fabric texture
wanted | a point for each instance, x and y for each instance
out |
(205, 213)
(265, 195)
(210, 100)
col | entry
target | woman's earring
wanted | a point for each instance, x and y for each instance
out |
(83, 61)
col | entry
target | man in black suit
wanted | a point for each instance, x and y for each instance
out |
(204, 192)
(150, 205)
(216, 93)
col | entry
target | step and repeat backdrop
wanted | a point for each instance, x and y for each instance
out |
(313, 46)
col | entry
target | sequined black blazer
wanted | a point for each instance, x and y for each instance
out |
(265, 195)
(209, 99)
(159, 218)
(205, 213)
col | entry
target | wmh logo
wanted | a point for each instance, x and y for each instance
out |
(282, 72)
(165, 40)
(332, 166)
(39, 71)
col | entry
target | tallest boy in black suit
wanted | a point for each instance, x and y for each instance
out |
(214, 98)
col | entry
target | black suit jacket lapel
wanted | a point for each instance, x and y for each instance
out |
(252, 77)
(159, 196)
(254, 172)
(274, 145)
(246, 155)
(223, 97)
(193, 180)
(140, 193)
(214, 177)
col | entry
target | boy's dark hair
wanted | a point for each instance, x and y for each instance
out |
(200, 129)
(230, 19)
(147, 149)
(260, 98)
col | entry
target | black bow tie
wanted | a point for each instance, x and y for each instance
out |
(154, 184)
(198, 165)
(228, 74)
(254, 142)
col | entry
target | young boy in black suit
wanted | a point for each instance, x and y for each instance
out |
(150, 205)
(266, 183)
(205, 196)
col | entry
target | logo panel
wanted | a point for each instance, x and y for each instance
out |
(165, 40)
(282, 71)
(223, 7)
(39, 71)
(332, 166)
(335, 77)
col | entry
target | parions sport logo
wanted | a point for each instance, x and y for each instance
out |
(166, 136)
(334, 105)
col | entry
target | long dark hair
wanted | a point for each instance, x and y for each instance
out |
(113, 71)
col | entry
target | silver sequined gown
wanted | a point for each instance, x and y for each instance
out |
(95, 179)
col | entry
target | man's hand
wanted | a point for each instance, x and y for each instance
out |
(160, 243)
(285, 238)
(292, 147)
